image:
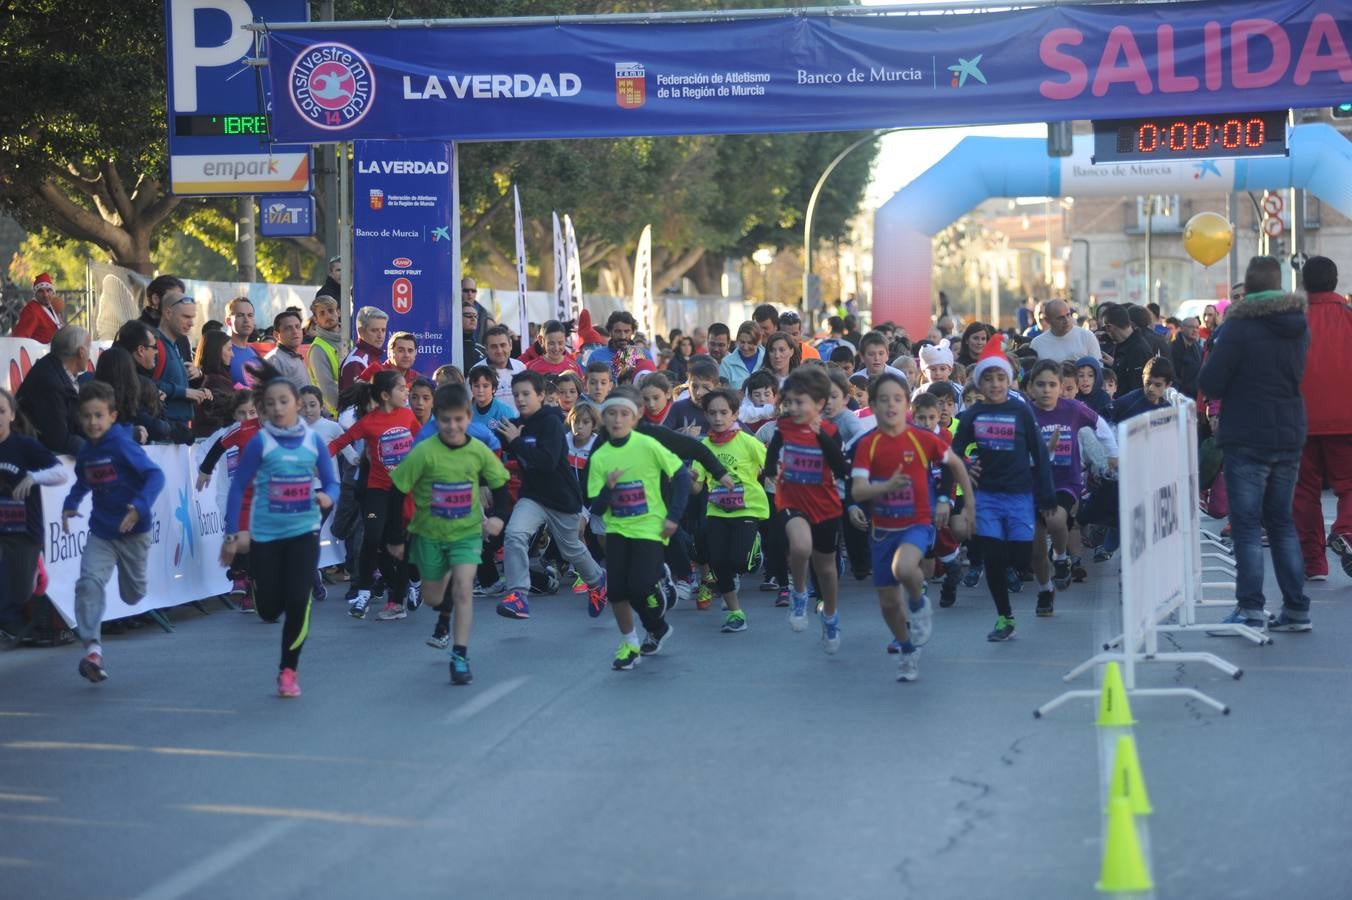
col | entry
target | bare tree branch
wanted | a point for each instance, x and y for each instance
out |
(117, 191)
(467, 234)
(79, 222)
(684, 263)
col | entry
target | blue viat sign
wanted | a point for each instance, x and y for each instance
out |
(218, 132)
(791, 72)
(286, 216)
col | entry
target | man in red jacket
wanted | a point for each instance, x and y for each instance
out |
(1328, 446)
(38, 320)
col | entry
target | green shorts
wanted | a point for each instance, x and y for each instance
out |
(435, 558)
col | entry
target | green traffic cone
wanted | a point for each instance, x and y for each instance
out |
(1127, 782)
(1124, 869)
(1114, 710)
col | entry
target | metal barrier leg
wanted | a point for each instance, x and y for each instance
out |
(160, 620)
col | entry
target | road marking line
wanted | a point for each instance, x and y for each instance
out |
(224, 859)
(16, 863)
(24, 798)
(485, 700)
(301, 815)
(190, 751)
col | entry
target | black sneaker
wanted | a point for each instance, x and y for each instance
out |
(1061, 574)
(1013, 580)
(653, 643)
(460, 673)
(1078, 572)
(1045, 599)
(948, 591)
(441, 635)
(1342, 546)
(1286, 623)
(91, 668)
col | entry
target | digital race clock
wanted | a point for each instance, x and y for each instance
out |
(1190, 137)
(250, 124)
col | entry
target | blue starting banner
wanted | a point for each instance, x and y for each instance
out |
(401, 241)
(855, 70)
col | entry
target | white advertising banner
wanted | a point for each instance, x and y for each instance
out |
(185, 532)
(523, 317)
(574, 270)
(643, 282)
(1153, 486)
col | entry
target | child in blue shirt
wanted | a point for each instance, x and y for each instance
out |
(124, 483)
(283, 535)
(1156, 380)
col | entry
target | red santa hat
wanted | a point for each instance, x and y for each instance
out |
(993, 354)
(44, 278)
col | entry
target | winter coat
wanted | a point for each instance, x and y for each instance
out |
(1328, 367)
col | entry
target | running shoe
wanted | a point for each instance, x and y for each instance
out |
(1342, 545)
(1061, 573)
(91, 667)
(441, 635)
(492, 590)
(319, 591)
(1253, 618)
(597, 597)
(685, 590)
(1045, 601)
(413, 597)
(514, 606)
(735, 622)
(1013, 580)
(769, 584)
(246, 603)
(287, 684)
(667, 588)
(922, 622)
(356, 607)
(756, 558)
(1078, 572)
(831, 633)
(798, 614)
(894, 646)
(1102, 554)
(1283, 622)
(704, 597)
(626, 657)
(653, 643)
(908, 667)
(973, 576)
(948, 591)
(782, 598)
(239, 587)
(391, 612)
(1004, 629)
(579, 586)
(460, 673)
(1317, 577)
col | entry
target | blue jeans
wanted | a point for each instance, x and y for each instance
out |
(1262, 485)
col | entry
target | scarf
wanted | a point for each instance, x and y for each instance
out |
(295, 431)
(1265, 295)
(660, 417)
(722, 437)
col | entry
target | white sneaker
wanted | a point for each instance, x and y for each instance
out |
(908, 668)
(797, 612)
(922, 622)
(413, 598)
(356, 607)
(684, 591)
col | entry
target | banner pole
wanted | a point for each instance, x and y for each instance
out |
(457, 324)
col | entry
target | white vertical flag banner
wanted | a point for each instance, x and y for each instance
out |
(523, 319)
(574, 271)
(560, 274)
(643, 282)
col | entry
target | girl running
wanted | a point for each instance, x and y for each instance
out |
(387, 431)
(805, 458)
(283, 535)
(731, 536)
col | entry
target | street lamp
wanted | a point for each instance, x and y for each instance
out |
(763, 257)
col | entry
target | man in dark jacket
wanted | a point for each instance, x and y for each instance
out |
(1130, 350)
(1255, 370)
(48, 395)
(1186, 353)
(550, 498)
(1328, 444)
(155, 292)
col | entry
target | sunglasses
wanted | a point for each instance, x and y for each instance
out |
(181, 300)
(789, 319)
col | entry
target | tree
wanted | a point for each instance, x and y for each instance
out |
(82, 131)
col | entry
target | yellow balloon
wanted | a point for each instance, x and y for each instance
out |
(1207, 237)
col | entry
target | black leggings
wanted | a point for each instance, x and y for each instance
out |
(383, 521)
(775, 543)
(999, 555)
(728, 544)
(283, 573)
(633, 568)
(18, 568)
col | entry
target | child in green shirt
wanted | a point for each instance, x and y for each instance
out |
(448, 528)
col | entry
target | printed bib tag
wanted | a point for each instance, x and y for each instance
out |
(628, 499)
(395, 444)
(803, 465)
(13, 517)
(290, 493)
(995, 432)
(727, 499)
(452, 500)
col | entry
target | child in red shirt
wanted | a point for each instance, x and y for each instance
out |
(892, 468)
(805, 459)
(388, 431)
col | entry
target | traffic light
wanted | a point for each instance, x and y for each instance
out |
(1342, 111)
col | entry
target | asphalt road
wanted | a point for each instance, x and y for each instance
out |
(747, 765)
